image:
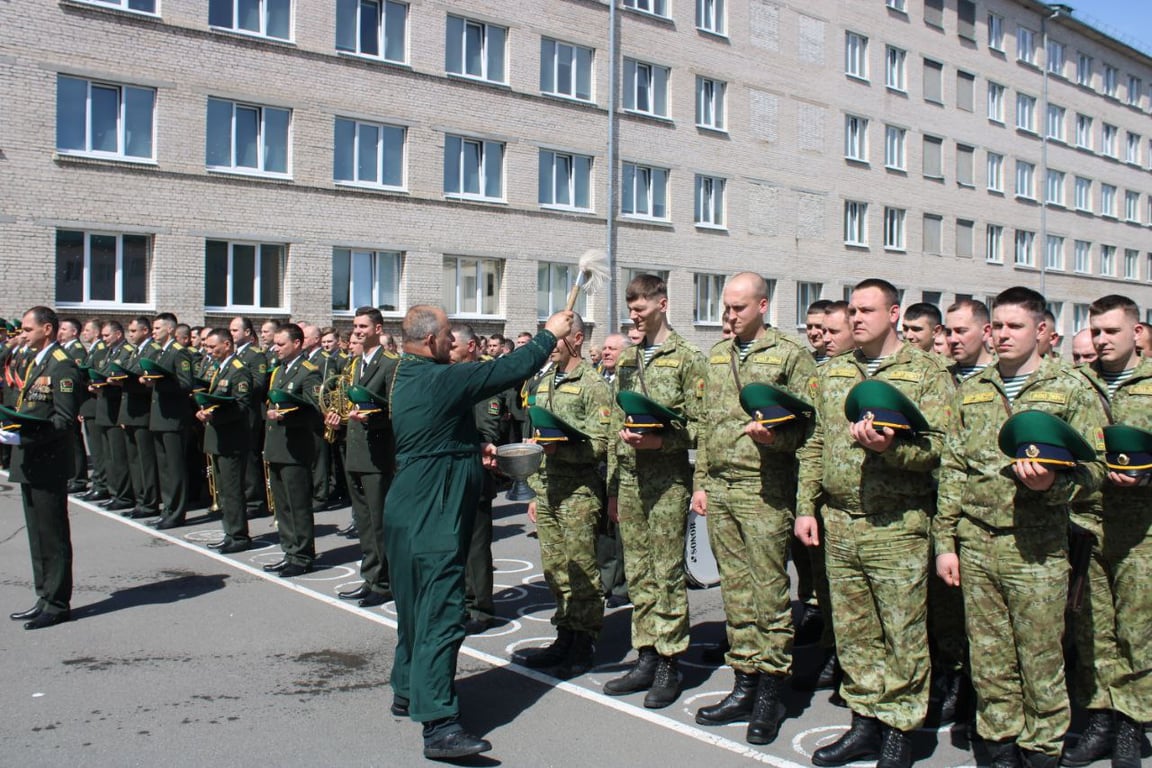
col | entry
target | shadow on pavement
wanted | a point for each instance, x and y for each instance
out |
(181, 586)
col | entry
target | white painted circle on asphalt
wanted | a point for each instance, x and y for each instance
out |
(523, 610)
(523, 565)
(344, 572)
(514, 593)
(509, 627)
(200, 537)
(719, 695)
(511, 647)
(534, 580)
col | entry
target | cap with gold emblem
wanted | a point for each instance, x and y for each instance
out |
(282, 397)
(1128, 450)
(547, 427)
(642, 414)
(885, 406)
(772, 406)
(153, 369)
(1046, 439)
(365, 400)
(205, 400)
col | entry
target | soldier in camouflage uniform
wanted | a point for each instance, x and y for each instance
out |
(1115, 622)
(570, 495)
(878, 496)
(1009, 526)
(649, 484)
(746, 485)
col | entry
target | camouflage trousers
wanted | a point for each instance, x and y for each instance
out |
(1015, 587)
(1094, 628)
(819, 571)
(653, 512)
(878, 570)
(567, 516)
(750, 537)
(1127, 553)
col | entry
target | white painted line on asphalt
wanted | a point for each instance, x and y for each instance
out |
(595, 697)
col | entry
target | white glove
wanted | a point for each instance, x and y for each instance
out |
(9, 437)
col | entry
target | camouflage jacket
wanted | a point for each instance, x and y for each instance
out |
(675, 379)
(584, 400)
(976, 479)
(1131, 405)
(722, 448)
(838, 471)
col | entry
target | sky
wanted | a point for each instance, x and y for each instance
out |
(1127, 18)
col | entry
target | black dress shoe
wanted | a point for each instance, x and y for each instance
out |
(399, 706)
(77, 487)
(375, 598)
(478, 626)
(359, 593)
(93, 496)
(350, 531)
(164, 524)
(140, 514)
(31, 613)
(234, 546)
(294, 569)
(277, 566)
(453, 745)
(46, 619)
(115, 505)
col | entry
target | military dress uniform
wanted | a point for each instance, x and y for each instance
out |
(42, 464)
(1012, 544)
(169, 421)
(255, 490)
(135, 414)
(96, 446)
(108, 439)
(227, 438)
(876, 512)
(79, 478)
(322, 462)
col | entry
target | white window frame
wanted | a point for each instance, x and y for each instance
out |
(711, 17)
(122, 128)
(895, 147)
(1083, 131)
(1055, 122)
(262, 139)
(856, 55)
(1111, 81)
(996, 32)
(856, 138)
(649, 186)
(646, 88)
(710, 202)
(1132, 206)
(258, 265)
(994, 168)
(1107, 200)
(559, 172)
(1025, 45)
(1133, 142)
(267, 7)
(1054, 253)
(1054, 188)
(650, 7)
(896, 69)
(1109, 138)
(484, 149)
(806, 294)
(1082, 257)
(384, 130)
(1131, 264)
(389, 14)
(1055, 57)
(118, 301)
(378, 263)
(1025, 180)
(1025, 112)
(555, 56)
(856, 223)
(1084, 70)
(895, 221)
(492, 56)
(994, 244)
(1135, 91)
(709, 298)
(1083, 194)
(1108, 261)
(897, 5)
(559, 278)
(711, 95)
(125, 6)
(1025, 248)
(996, 102)
(455, 290)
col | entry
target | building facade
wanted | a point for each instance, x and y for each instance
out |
(284, 158)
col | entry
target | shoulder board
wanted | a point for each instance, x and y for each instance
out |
(99, 345)
(666, 362)
(626, 362)
(390, 355)
(846, 372)
(1042, 396)
(237, 364)
(155, 345)
(979, 397)
(762, 359)
(129, 346)
(904, 375)
(570, 388)
(60, 354)
(718, 359)
(308, 365)
(177, 346)
(1138, 389)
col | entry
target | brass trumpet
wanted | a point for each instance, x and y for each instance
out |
(334, 399)
(268, 491)
(213, 491)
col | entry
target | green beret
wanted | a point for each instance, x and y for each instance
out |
(11, 414)
(1128, 450)
(642, 414)
(884, 405)
(205, 400)
(153, 368)
(364, 398)
(772, 406)
(547, 427)
(1041, 437)
(284, 397)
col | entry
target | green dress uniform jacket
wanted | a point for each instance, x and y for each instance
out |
(227, 433)
(170, 408)
(289, 448)
(255, 491)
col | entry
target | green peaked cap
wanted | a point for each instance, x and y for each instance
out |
(885, 405)
(1044, 438)
(642, 414)
(284, 397)
(154, 368)
(362, 396)
(11, 414)
(547, 427)
(203, 399)
(1128, 450)
(772, 406)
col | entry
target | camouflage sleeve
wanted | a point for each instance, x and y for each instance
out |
(953, 475)
(922, 453)
(694, 376)
(615, 445)
(810, 455)
(1086, 415)
(598, 415)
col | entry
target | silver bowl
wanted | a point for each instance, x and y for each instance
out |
(518, 461)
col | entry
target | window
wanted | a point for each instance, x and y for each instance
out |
(856, 138)
(965, 91)
(1082, 256)
(1054, 253)
(471, 286)
(996, 102)
(473, 168)
(965, 173)
(856, 55)
(565, 69)
(1026, 112)
(475, 49)
(565, 180)
(855, 223)
(895, 72)
(933, 233)
(710, 16)
(266, 18)
(1025, 45)
(645, 193)
(710, 103)
(369, 153)
(1111, 80)
(709, 298)
(965, 234)
(897, 5)
(1108, 200)
(104, 119)
(140, 6)
(1134, 88)
(247, 138)
(894, 228)
(1083, 194)
(1132, 148)
(709, 201)
(1131, 264)
(934, 13)
(1079, 317)
(1108, 136)
(1132, 206)
(243, 275)
(645, 88)
(994, 244)
(1025, 241)
(995, 172)
(654, 7)
(1056, 57)
(933, 157)
(996, 32)
(1108, 260)
(376, 28)
(553, 282)
(933, 81)
(365, 279)
(894, 143)
(966, 19)
(1055, 122)
(1054, 188)
(1084, 70)
(1083, 131)
(806, 293)
(102, 267)
(1025, 179)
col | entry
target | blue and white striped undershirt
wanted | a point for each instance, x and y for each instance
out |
(1115, 378)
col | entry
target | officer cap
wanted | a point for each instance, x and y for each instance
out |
(547, 427)
(153, 368)
(364, 398)
(205, 400)
(1041, 437)
(12, 415)
(284, 397)
(772, 406)
(1128, 450)
(885, 405)
(642, 414)
(94, 375)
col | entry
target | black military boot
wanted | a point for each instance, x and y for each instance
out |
(581, 656)
(639, 678)
(895, 749)
(1094, 743)
(830, 674)
(861, 742)
(549, 656)
(1032, 759)
(956, 701)
(665, 685)
(736, 705)
(1128, 743)
(1003, 755)
(765, 721)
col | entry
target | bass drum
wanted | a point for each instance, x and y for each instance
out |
(699, 563)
